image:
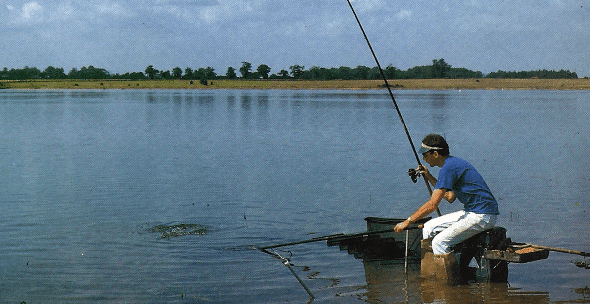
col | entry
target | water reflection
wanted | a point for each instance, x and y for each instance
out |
(151, 97)
(263, 104)
(387, 283)
(246, 102)
(439, 116)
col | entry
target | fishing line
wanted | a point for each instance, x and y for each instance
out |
(399, 113)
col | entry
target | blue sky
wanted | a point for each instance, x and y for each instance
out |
(128, 35)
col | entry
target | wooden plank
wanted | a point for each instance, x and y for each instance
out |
(524, 255)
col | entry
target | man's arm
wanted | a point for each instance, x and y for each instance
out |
(449, 195)
(428, 207)
(429, 177)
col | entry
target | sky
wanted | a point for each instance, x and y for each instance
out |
(128, 35)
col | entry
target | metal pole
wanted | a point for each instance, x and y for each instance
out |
(406, 258)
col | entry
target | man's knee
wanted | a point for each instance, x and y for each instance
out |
(428, 230)
(440, 245)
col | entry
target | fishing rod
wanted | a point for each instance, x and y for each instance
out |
(399, 113)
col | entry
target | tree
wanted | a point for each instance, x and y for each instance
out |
(296, 71)
(165, 74)
(188, 73)
(418, 72)
(246, 69)
(440, 68)
(344, 72)
(361, 72)
(132, 76)
(315, 72)
(177, 72)
(542, 74)
(151, 72)
(210, 73)
(32, 73)
(199, 73)
(263, 70)
(374, 73)
(21, 74)
(73, 73)
(283, 74)
(89, 72)
(231, 73)
(464, 73)
(391, 72)
(53, 73)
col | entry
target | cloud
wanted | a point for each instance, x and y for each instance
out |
(368, 5)
(404, 15)
(31, 10)
(188, 2)
(30, 13)
(114, 9)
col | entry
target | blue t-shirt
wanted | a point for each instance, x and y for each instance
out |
(461, 177)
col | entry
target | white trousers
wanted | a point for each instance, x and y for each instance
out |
(453, 228)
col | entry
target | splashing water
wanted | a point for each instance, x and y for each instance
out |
(169, 231)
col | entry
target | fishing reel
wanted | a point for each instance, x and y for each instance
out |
(414, 174)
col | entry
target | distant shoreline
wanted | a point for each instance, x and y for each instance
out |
(409, 84)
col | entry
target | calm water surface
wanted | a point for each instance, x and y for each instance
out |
(86, 175)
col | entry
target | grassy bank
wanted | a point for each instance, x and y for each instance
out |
(434, 84)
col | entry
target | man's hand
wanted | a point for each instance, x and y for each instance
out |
(402, 226)
(422, 169)
(427, 176)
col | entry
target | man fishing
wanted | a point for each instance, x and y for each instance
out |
(456, 179)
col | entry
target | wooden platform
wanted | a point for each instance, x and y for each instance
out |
(522, 255)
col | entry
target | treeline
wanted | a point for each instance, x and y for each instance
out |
(438, 69)
(541, 74)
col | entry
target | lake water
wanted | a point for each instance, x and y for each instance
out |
(86, 175)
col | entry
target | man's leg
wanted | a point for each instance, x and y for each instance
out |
(438, 224)
(465, 227)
